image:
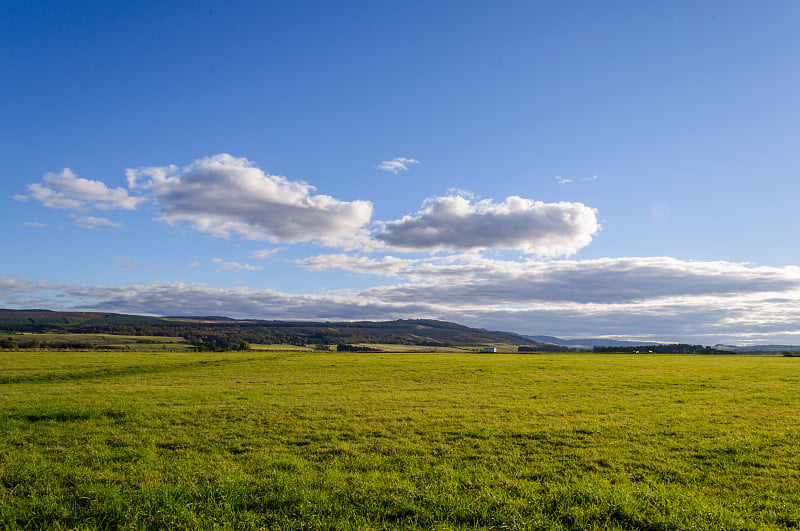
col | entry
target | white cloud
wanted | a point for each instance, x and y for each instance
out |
(386, 266)
(17, 293)
(65, 190)
(236, 266)
(94, 223)
(470, 279)
(567, 180)
(466, 194)
(263, 254)
(224, 195)
(33, 224)
(396, 165)
(13, 285)
(456, 223)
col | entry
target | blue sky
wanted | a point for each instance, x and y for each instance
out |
(578, 169)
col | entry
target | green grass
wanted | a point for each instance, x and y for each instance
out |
(109, 341)
(391, 347)
(256, 440)
(280, 347)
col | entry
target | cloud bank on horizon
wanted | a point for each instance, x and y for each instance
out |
(446, 269)
(707, 301)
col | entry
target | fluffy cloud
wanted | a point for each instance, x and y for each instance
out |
(94, 222)
(455, 222)
(223, 195)
(65, 190)
(397, 164)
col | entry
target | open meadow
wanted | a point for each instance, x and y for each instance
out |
(299, 440)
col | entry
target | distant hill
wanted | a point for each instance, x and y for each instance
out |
(759, 349)
(589, 343)
(604, 344)
(224, 332)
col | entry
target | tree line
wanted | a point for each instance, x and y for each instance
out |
(676, 348)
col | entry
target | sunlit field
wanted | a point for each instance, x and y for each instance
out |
(299, 440)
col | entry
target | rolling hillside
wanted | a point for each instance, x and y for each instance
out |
(224, 332)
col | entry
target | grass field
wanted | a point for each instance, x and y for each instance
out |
(280, 347)
(268, 440)
(105, 341)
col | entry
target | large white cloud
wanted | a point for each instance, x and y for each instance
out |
(223, 195)
(65, 190)
(457, 223)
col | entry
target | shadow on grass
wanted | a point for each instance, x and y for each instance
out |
(69, 415)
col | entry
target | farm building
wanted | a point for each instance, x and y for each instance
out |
(490, 349)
